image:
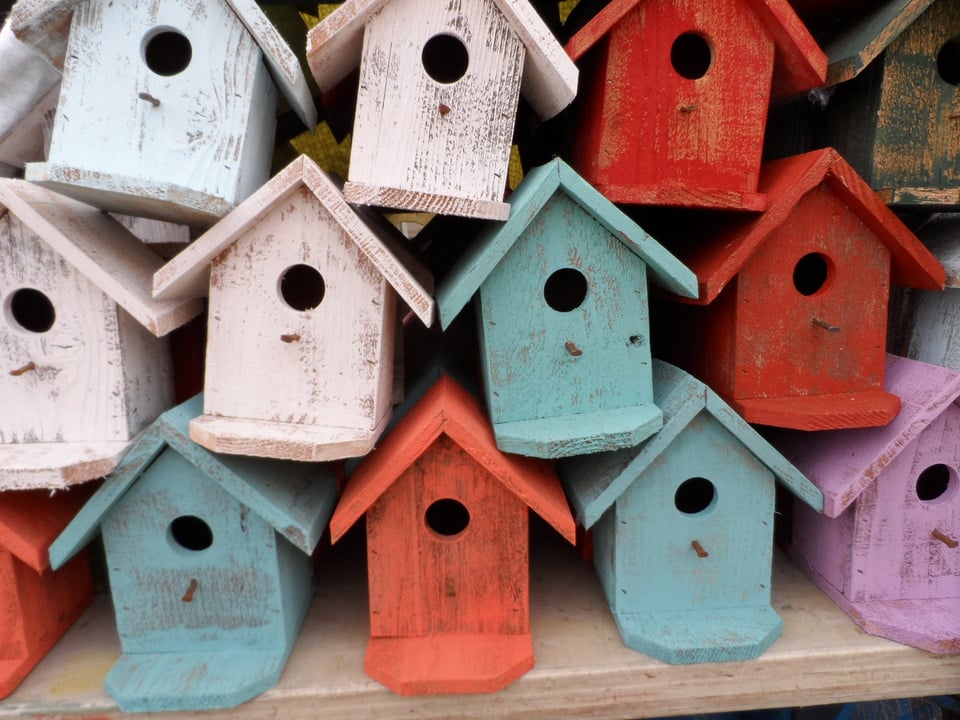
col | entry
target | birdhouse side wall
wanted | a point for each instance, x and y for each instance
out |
(148, 373)
(417, 127)
(423, 582)
(12, 640)
(824, 544)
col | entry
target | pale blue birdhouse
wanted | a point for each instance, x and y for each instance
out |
(209, 566)
(563, 316)
(683, 527)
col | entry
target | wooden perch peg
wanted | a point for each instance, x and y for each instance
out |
(572, 348)
(149, 98)
(191, 589)
(698, 548)
(25, 369)
(290, 338)
(944, 538)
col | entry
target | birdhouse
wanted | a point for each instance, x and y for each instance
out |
(167, 109)
(37, 605)
(683, 527)
(302, 321)
(665, 117)
(562, 290)
(886, 547)
(429, 132)
(892, 113)
(81, 371)
(447, 548)
(209, 566)
(793, 322)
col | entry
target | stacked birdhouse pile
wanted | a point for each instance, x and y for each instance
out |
(615, 361)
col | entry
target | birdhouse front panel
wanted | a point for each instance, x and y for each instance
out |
(564, 321)
(297, 308)
(436, 107)
(448, 551)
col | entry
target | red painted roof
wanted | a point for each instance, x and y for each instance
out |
(30, 520)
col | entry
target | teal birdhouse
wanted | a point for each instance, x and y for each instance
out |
(564, 324)
(683, 527)
(209, 566)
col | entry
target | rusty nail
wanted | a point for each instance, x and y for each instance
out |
(573, 349)
(451, 589)
(25, 369)
(687, 108)
(149, 98)
(945, 539)
(698, 548)
(444, 109)
(188, 595)
(292, 337)
(825, 325)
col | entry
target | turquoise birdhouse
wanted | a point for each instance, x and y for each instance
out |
(209, 566)
(563, 317)
(683, 527)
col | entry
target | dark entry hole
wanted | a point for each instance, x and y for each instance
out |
(933, 482)
(948, 62)
(32, 310)
(694, 495)
(565, 290)
(810, 273)
(302, 287)
(167, 52)
(447, 517)
(691, 55)
(192, 533)
(445, 58)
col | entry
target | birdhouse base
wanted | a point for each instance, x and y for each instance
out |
(685, 637)
(939, 199)
(579, 434)
(871, 408)
(399, 199)
(130, 195)
(27, 466)
(285, 441)
(717, 199)
(448, 663)
(156, 682)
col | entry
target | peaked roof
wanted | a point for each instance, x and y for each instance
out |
(448, 409)
(187, 275)
(785, 182)
(30, 521)
(800, 63)
(45, 25)
(594, 482)
(539, 185)
(295, 498)
(844, 463)
(99, 247)
(549, 82)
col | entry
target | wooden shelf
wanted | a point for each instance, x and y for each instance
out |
(582, 670)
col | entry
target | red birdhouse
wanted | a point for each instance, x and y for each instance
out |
(793, 332)
(447, 547)
(674, 94)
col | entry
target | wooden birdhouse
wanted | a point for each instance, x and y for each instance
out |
(302, 321)
(166, 109)
(209, 566)
(81, 371)
(683, 527)
(563, 312)
(665, 115)
(438, 95)
(37, 605)
(447, 548)
(886, 547)
(793, 322)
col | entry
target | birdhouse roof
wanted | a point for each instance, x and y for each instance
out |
(785, 182)
(295, 498)
(539, 185)
(800, 63)
(549, 80)
(45, 25)
(188, 274)
(844, 463)
(448, 409)
(30, 521)
(101, 249)
(595, 482)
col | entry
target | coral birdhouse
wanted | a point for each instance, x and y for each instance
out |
(302, 321)
(562, 291)
(887, 547)
(447, 548)
(438, 96)
(166, 109)
(793, 328)
(209, 566)
(665, 117)
(683, 527)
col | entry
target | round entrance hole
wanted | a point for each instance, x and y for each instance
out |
(565, 290)
(32, 310)
(691, 55)
(445, 58)
(447, 517)
(191, 533)
(948, 62)
(934, 482)
(167, 52)
(302, 287)
(695, 495)
(811, 273)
